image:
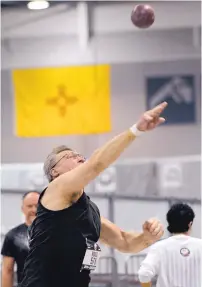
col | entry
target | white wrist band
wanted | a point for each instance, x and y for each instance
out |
(135, 131)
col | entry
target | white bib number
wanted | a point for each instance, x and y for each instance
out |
(91, 256)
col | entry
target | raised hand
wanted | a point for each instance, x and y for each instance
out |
(153, 229)
(152, 118)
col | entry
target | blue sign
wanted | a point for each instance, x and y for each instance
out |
(178, 92)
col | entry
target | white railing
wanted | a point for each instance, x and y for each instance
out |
(169, 172)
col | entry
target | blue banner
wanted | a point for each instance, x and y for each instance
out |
(179, 92)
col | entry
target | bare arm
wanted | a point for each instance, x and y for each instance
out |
(76, 179)
(7, 271)
(129, 242)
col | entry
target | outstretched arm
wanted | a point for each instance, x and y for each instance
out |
(129, 242)
(76, 179)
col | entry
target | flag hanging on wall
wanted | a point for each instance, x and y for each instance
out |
(62, 101)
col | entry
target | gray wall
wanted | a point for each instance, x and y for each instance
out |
(128, 100)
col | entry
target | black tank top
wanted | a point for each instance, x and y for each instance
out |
(58, 245)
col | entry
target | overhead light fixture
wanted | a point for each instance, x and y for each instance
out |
(38, 5)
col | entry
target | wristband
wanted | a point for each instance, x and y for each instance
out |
(135, 131)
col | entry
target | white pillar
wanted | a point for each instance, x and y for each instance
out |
(83, 24)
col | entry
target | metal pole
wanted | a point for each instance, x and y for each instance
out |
(111, 215)
(115, 279)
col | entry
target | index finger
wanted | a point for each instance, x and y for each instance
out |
(158, 109)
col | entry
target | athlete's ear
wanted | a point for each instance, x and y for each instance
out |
(22, 209)
(190, 224)
(54, 173)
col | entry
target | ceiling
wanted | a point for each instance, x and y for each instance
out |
(9, 4)
(23, 4)
(20, 4)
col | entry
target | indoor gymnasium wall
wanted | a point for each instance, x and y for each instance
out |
(128, 100)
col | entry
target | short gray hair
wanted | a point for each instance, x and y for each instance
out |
(51, 160)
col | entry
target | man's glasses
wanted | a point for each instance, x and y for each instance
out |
(68, 156)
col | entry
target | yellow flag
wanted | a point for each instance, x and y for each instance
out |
(62, 101)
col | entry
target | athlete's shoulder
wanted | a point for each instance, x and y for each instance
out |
(161, 243)
(196, 240)
(17, 229)
(20, 228)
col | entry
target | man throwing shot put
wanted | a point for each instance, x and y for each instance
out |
(64, 235)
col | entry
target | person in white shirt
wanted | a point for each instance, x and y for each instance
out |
(175, 261)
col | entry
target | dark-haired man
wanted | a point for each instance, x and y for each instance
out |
(176, 261)
(15, 245)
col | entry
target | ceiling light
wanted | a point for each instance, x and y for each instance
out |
(38, 4)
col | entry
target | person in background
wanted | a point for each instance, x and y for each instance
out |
(15, 246)
(176, 261)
